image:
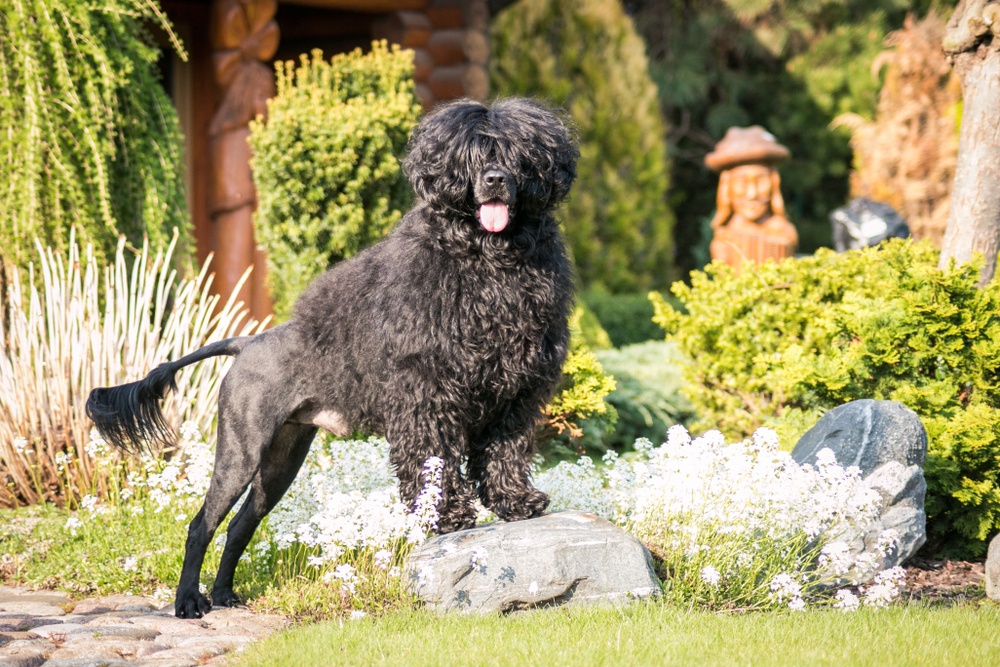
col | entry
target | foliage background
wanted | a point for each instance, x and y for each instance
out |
(88, 137)
(586, 56)
(792, 66)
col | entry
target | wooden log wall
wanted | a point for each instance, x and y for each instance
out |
(451, 48)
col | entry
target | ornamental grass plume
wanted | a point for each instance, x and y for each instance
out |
(85, 328)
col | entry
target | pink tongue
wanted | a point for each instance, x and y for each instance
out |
(493, 216)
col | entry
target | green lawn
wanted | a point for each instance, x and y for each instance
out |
(648, 634)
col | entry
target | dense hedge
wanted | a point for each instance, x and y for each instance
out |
(327, 162)
(786, 341)
(628, 318)
(88, 137)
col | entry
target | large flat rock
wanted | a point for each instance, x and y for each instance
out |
(567, 558)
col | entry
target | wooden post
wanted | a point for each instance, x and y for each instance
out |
(244, 35)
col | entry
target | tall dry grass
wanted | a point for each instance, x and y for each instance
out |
(85, 328)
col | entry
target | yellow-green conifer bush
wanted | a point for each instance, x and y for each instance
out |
(327, 162)
(787, 341)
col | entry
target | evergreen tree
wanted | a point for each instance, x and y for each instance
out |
(88, 137)
(585, 56)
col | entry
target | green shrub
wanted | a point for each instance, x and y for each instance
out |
(798, 337)
(628, 318)
(88, 137)
(587, 57)
(326, 162)
(647, 396)
(579, 415)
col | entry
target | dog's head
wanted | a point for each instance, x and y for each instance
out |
(494, 164)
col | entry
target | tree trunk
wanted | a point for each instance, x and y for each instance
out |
(973, 46)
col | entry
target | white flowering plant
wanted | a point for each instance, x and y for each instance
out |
(732, 526)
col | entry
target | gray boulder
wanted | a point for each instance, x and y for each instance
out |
(888, 443)
(567, 558)
(993, 569)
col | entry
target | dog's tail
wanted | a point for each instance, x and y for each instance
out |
(129, 417)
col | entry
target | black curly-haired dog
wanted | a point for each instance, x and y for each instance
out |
(448, 337)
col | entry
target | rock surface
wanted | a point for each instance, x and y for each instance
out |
(887, 441)
(561, 558)
(993, 569)
(46, 628)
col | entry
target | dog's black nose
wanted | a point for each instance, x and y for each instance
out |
(495, 178)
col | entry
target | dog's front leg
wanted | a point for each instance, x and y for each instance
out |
(500, 464)
(416, 440)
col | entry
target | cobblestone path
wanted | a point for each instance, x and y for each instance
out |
(46, 628)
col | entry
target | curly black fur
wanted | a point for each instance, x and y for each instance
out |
(448, 337)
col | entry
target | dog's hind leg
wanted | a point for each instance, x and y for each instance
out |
(244, 434)
(280, 464)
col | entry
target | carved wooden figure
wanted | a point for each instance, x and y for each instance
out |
(750, 222)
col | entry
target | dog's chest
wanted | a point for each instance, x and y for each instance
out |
(511, 326)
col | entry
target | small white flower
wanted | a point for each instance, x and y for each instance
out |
(826, 457)
(137, 510)
(163, 594)
(130, 564)
(89, 502)
(797, 604)
(784, 586)
(72, 525)
(344, 572)
(21, 446)
(836, 556)
(888, 540)
(478, 559)
(357, 614)
(846, 600)
(885, 588)
(710, 575)
(382, 558)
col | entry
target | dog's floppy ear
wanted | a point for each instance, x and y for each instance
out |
(440, 149)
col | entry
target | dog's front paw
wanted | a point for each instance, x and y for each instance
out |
(191, 605)
(453, 522)
(526, 506)
(225, 597)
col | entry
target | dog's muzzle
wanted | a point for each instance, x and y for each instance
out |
(494, 191)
